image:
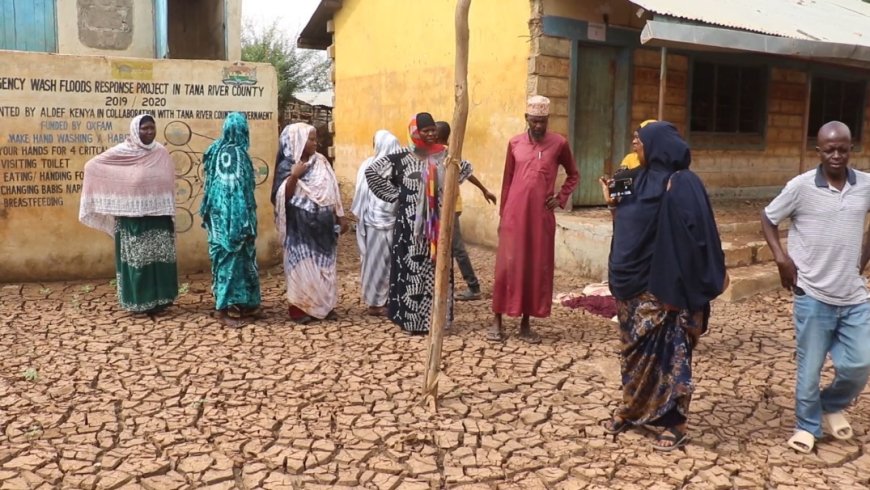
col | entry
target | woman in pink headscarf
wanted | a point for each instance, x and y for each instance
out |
(309, 216)
(129, 193)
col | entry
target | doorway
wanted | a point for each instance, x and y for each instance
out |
(191, 29)
(28, 25)
(601, 105)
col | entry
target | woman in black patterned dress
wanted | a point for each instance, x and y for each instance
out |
(402, 177)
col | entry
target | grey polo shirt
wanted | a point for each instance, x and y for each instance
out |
(827, 230)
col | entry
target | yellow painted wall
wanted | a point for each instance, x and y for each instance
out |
(58, 111)
(143, 45)
(395, 58)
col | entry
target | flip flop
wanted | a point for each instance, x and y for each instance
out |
(835, 423)
(802, 442)
(614, 426)
(227, 320)
(494, 336)
(673, 435)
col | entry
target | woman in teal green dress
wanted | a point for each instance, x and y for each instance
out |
(229, 215)
(128, 192)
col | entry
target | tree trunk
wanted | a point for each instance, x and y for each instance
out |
(444, 254)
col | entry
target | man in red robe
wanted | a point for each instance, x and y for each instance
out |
(527, 230)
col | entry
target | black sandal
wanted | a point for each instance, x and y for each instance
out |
(614, 426)
(306, 320)
(673, 435)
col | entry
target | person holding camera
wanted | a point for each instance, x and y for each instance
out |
(666, 266)
(525, 259)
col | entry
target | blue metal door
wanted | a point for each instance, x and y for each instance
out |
(161, 29)
(28, 25)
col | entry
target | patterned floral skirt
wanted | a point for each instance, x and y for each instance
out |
(235, 277)
(656, 360)
(145, 263)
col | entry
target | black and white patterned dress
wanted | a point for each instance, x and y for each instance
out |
(398, 178)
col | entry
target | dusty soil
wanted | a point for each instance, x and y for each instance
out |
(92, 397)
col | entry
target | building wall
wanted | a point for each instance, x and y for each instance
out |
(386, 71)
(738, 172)
(106, 27)
(749, 171)
(126, 27)
(619, 12)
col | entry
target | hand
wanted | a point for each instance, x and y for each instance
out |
(343, 224)
(299, 170)
(605, 190)
(489, 196)
(787, 272)
(552, 202)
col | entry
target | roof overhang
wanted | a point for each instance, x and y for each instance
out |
(676, 35)
(315, 35)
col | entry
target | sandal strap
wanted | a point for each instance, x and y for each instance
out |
(671, 434)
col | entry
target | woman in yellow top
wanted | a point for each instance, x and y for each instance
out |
(631, 160)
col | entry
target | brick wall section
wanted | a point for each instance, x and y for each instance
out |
(549, 75)
(645, 91)
(769, 166)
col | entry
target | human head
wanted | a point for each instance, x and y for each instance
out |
(538, 116)
(635, 139)
(310, 147)
(235, 130)
(443, 128)
(834, 146)
(661, 147)
(143, 129)
(423, 132)
(385, 143)
(299, 141)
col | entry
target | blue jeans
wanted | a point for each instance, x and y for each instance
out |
(844, 331)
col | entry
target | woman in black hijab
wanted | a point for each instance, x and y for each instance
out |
(666, 265)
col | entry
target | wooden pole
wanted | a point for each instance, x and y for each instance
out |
(805, 139)
(663, 83)
(444, 254)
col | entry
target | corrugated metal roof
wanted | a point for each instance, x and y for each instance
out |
(837, 21)
(315, 98)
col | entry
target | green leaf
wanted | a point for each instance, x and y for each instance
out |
(297, 69)
(31, 374)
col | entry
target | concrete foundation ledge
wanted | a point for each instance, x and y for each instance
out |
(583, 244)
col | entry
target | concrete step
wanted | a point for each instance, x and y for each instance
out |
(744, 250)
(751, 280)
(748, 227)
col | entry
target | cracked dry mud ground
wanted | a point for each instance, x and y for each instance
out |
(118, 401)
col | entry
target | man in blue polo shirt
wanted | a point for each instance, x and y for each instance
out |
(823, 267)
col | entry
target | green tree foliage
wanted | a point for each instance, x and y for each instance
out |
(297, 69)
